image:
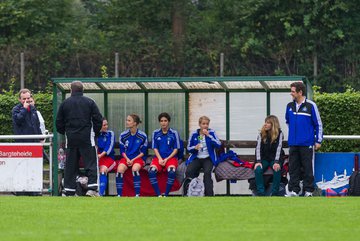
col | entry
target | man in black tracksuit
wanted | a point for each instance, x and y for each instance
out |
(80, 120)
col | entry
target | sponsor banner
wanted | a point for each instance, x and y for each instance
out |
(21, 168)
(20, 151)
(333, 170)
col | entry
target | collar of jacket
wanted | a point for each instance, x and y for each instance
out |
(77, 94)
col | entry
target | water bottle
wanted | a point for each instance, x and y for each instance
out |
(200, 139)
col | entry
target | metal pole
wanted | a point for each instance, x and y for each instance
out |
(222, 65)
(228, 192)
(116, 65)
(341, 137)
(315, 64)
(50, 166)
(55, 166)
(22, 70)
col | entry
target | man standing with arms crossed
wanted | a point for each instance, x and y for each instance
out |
(305, 135)
(79, 119)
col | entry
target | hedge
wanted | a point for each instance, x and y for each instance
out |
(340, 114)
(43, 103)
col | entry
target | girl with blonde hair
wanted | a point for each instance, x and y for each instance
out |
(268, 153)
(202, 146)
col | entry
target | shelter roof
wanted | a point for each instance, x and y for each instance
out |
(265, 83)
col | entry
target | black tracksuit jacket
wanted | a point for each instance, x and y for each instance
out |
(79, 118)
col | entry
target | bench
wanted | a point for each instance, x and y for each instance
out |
(226, 171)
(229, 172)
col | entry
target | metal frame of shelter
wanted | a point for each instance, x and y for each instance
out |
(184, 85)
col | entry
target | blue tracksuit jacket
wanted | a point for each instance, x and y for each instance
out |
(106, 141)
(305, 126)
(212, 142)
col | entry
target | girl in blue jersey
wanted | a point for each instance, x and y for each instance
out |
(133, 150)
(166, 144)
(106, 141)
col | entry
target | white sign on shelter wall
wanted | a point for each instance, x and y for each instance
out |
(247, 112)
(212, 105)
(21, 167)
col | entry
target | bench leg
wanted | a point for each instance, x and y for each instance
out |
(228, 188)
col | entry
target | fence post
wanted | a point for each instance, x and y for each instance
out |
(116, 65)
(222, 65)
(22, 71)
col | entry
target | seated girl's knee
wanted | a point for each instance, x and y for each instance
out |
(258, 169)
(171, 169)
(207, 172)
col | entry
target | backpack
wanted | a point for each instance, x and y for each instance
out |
(196, 188)
(354, 184)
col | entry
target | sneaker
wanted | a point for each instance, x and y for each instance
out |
(63, 194)
(275, 194)
(343, 192)
(308, 194)
(330, 193)
(92, 193)
(291, 194)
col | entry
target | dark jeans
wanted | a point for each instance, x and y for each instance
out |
(301, 157)
(260, 179)
(193, 170)
(89, 157)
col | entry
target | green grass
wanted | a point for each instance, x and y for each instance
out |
(177, 218)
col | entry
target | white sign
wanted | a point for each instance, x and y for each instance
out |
(21, 167)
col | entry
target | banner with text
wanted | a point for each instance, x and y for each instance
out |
(21, 168)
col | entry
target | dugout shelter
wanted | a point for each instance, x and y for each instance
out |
(237, 106)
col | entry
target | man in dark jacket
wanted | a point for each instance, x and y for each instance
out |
(79, 119)
(25, 122)
(25, 118)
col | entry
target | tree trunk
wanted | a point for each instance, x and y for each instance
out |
(178, 23)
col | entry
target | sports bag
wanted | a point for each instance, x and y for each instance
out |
(196, 188)
(354, 184)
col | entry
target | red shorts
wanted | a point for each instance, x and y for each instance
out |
(108, 162)
(123, 161)
(171, 162)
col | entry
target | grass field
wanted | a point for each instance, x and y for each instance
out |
(177, 218)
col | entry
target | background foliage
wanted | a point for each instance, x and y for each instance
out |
(43, 103)
(73, 38)
(340, 114)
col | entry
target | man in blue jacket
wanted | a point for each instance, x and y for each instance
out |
(25, 118)
(26, 122)
(305, 135)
